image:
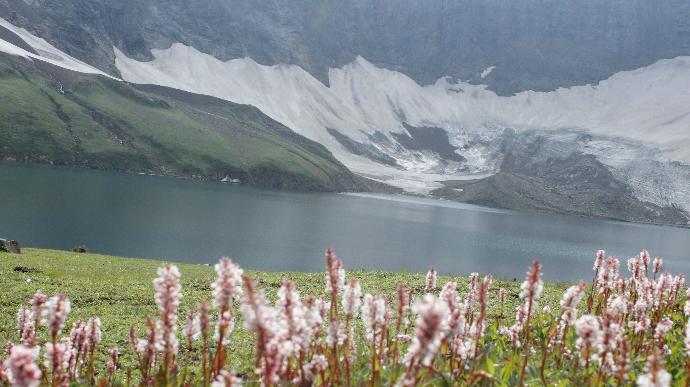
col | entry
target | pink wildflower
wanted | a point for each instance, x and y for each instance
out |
(431, 276)
(58, 360)
(335, 334)
(226, 288)
(656, 375)
(224, 327)
(352, 299)
(79, 344)
(588, 330)
(314, 312)
(204, 320)
(662, 328)
(483, 303)
(430, 330)
(228, 284)
(531, 288)
(618, 305)
(26, 327)
(471, 298)
(93, 333)
(599, 260)
(657, 265)
(167, 297)
(403, 338)
(37, 303)
(57, 309)
(8, 348)
(23, 318)
(227, 379)
(293, 313)
(255, 312)
(111, 364)
(373, 315)
(22, 368)
(191, 327)
(311, 370)
(403, 308)
(151, 345)
(456, 317)
(335, 273)
(272, 348)
(272, 363)
(636, 268)
(571, 298)
(449, 294)
(662, 291)
(608, 277)
(133, 338)
(644, 258)
(611, 335)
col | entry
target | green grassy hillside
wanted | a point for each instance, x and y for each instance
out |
(56, 116)
(119, 290)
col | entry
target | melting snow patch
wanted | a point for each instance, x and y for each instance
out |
(487, 71)
(46, 52)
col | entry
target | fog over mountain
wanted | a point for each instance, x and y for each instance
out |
(563, 106)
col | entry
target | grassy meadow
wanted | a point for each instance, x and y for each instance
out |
(119, 291)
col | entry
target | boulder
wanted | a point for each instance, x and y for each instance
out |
(80, 249)
(9, 246)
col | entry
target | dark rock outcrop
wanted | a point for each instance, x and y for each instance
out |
(533, 176)
(9, 246)
(534, 45)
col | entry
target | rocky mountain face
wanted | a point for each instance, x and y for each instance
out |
(530, 44)
(558, 174)
(575, 107)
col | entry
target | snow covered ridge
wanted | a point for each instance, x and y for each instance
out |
(44, 51)
(648, 104)
(370, 105)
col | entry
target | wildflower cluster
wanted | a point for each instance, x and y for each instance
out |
(618, 330)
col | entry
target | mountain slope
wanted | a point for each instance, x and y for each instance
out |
(388, 103)
(54, 115)
(540, 171)
(369, 107)
(532, 44)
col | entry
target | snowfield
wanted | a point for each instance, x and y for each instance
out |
(648, 104)
(46, 52)
(640, 119)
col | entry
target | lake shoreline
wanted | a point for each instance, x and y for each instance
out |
(372, 187)
(145, 216)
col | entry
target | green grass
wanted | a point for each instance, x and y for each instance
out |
(119, 291)
(67, 118)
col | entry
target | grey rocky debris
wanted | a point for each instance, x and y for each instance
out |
(550, 174)
(10, 246)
